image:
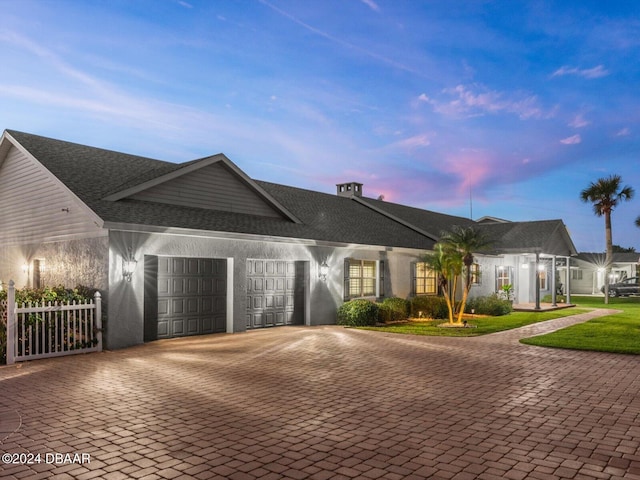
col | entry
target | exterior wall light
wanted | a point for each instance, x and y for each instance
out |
(25, 268)
(324, 270)
(128, 266)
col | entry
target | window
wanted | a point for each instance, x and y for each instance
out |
(576, 274)
(475, 274)
(361, 278)
(503, 277)
(425, 280)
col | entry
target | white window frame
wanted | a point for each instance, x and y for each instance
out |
(377, 279)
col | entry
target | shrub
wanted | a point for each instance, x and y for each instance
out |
(429, 306)
(358, 313)
(393, 309)
(491, 305)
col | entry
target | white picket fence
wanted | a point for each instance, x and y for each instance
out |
(52, 329)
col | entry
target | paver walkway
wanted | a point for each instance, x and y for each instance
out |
(327, 403)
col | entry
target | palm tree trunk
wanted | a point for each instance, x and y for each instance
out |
(447, 298)
(463, 303)
(608, 258)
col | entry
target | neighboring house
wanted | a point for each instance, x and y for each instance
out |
(587, 270)
(200, 247)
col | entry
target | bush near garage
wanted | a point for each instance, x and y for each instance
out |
(358, 313)
(429, 307)
(393, 309)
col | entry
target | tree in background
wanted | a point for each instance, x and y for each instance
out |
(605, 194)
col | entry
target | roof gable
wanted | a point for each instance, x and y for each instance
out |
(540, 236)
(212, 183)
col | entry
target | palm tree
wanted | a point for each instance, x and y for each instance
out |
(605, 194)
(638, 222)
(447, 265)
(464, 241)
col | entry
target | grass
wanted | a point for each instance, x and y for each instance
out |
(484, 325)
(618, 333)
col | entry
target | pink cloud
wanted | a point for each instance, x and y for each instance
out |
(572, 140)
(623, 132)
(471, 167)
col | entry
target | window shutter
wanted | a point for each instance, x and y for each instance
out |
(381, 277)
(346, 280)
(413, 279)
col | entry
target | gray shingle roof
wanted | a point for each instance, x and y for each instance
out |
(597, 258)
(94, 173)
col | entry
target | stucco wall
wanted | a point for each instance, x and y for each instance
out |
(69, 263)
(126, 300)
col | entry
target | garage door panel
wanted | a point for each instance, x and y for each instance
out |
(164, 286)
(194, 305)
(193, 286)
(208, 286)
(163, 307)
(177, 327)
(163, 328)
(178, 266)
(193, 325)
(220, 286)
(177, 306)
(164, 265)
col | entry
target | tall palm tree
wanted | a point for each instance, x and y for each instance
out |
(605, 194)
(464, 241)
(638, 221)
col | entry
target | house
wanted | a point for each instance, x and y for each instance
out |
(587, 270)
(200, 247)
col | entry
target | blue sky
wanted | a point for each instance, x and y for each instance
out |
(515, 105)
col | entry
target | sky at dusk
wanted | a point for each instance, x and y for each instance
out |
(472, 108)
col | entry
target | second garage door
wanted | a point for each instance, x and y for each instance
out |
(190, 296)
(275, 293)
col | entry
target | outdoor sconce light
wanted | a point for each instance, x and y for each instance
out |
(324, 270)
(128, 266)
(25, 268)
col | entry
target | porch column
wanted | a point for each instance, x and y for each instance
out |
(554, 302)
(537, 281)
(568, 282)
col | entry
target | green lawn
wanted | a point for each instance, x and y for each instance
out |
(484, 324)
(618, 333)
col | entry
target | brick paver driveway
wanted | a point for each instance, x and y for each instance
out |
(326, 402)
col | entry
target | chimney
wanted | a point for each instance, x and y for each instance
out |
(351, 189)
